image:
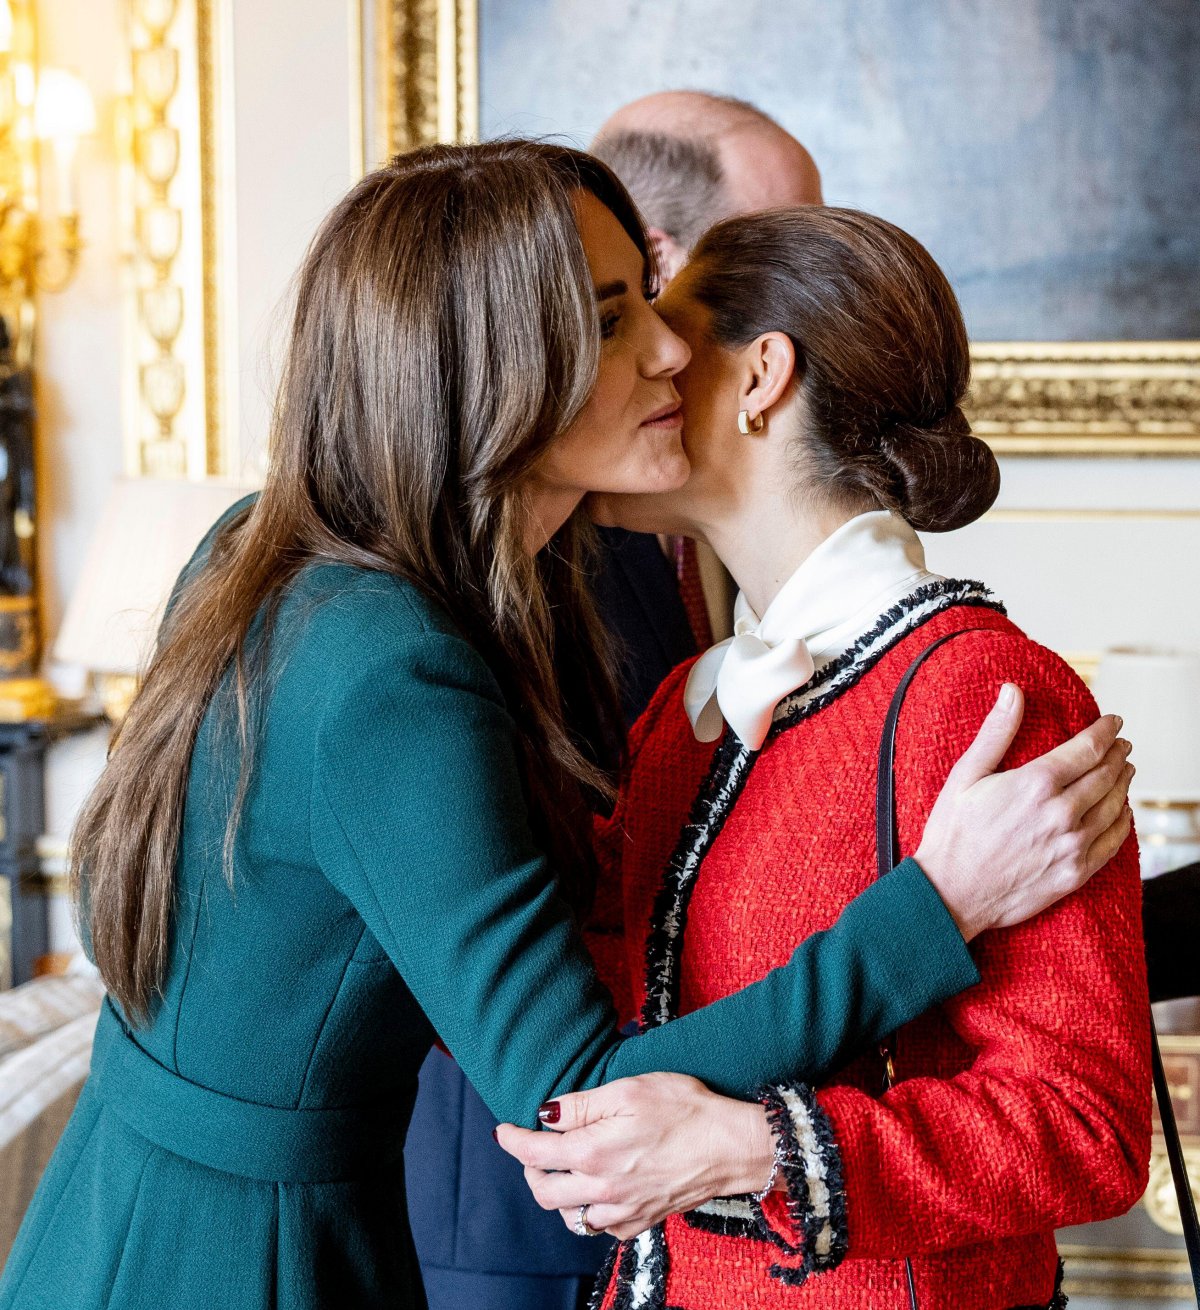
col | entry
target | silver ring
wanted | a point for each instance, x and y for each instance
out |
(582, 1227)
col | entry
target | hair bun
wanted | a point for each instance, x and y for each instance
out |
(945, 476)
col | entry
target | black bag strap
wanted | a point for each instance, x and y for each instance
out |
(887, 846)
(887, 835)
(887, 849)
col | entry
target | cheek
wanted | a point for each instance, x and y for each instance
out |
(704, 410)
(605, 450)
(701, 422)
(606, 456)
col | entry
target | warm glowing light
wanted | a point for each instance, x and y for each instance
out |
(6, 27)
(64, 108)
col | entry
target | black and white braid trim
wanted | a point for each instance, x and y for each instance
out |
(638, 1268)
(831, 680)
(811, 1167)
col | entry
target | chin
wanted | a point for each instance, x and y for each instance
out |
(671, 475)
(663, 466)
(637, 512)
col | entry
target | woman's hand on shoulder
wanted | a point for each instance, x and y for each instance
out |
(639, 1149)
(1001, 847)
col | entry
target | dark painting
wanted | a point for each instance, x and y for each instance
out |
(1046, 151)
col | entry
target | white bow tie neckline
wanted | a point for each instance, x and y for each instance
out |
(836, 594)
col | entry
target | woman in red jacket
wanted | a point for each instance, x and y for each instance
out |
(829, 360)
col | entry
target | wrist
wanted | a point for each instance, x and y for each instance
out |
(958, 895)
(753, 1168)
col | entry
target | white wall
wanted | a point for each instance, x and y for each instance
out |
(292, 95)
(1089, 553)
(291, 98)
(79, 329)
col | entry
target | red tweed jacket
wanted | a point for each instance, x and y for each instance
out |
(1024, 1103)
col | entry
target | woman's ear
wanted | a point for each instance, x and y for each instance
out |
(769, 367)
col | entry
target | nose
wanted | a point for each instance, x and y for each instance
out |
(668, 353)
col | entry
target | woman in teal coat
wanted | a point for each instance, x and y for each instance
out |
(347, 814)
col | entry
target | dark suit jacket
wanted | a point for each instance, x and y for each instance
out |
(470, 1208)
(1171, 919)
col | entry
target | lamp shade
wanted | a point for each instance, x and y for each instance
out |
(147, 533)
(1157, 693)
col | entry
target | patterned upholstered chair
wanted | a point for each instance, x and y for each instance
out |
(46, 1029)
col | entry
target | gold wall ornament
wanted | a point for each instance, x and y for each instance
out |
(159, 231)
(37, 252)
(43, 114)
(427, 72)
(1161, 1200)
(1087, 397)
(1181, 1068)
(179, 207)
(1139, 1257)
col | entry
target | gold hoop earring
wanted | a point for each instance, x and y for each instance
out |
(747, 426)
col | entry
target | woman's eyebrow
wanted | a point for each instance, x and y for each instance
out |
(610, 289)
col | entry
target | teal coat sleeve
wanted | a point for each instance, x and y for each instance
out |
(417, 815)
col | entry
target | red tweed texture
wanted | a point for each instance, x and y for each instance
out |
(1024, 1103)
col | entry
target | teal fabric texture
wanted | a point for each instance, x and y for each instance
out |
(244, 1147)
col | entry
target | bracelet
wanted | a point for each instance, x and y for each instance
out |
(776, 1165)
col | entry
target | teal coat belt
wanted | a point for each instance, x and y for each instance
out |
(265, 1142)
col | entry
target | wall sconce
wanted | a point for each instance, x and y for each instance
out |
(63, 114)
(51, 109)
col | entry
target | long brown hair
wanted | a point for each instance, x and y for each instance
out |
(882, 355)
(445, 332)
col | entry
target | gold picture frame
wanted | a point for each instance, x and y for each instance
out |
(426, 74)
(1098, 398)
(1087, 397)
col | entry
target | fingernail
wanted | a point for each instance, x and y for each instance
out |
(1008, 696)
(1120, 722)
(550, 1113)
(496, 1134)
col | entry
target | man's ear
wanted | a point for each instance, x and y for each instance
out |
(669, 255)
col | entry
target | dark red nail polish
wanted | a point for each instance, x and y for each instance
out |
(550, 1113)
(496, 1135)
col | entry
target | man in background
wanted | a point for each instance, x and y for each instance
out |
(689, 159)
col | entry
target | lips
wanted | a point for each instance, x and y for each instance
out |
(667, 416)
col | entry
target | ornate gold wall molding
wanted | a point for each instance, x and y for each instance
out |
(1131, 1277)
(1090, 514)
(217, 203)
(178, 410)
(1087, 398)
(427, 72)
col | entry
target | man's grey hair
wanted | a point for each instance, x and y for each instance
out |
(676, 182)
